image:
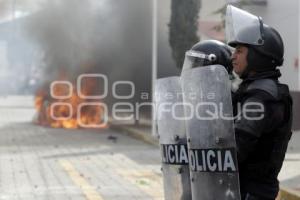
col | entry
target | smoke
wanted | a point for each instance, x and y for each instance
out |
(111, 37)
(105, 36)
(63, 31)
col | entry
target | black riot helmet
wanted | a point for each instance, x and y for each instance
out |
(268, 54)
(215, 52)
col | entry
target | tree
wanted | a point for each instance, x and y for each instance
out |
(183, 27)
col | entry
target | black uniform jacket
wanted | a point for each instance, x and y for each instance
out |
(263, 110)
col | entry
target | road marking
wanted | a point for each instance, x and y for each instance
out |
(88, 190)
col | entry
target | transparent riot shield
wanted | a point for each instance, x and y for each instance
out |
(172, 138)
(210, 133)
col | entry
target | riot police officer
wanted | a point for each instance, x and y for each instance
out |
(261, 142)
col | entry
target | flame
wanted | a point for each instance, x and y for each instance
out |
(71, 111)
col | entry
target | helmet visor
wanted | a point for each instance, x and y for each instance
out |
(197, 59)
(242, 27)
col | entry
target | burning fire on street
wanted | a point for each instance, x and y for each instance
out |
(62, 105)
(70, 42)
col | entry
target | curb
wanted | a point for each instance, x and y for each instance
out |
(138, 134)
(288, 194)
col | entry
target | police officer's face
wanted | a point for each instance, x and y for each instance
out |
(239, 59)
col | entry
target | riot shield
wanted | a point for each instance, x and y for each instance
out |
(172, 138)
(210, 133)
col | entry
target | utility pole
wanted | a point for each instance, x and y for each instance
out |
(154, 60)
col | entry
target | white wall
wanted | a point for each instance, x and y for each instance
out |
(208, 7)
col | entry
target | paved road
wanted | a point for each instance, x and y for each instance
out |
(39, 163)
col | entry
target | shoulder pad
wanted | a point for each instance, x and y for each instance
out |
(267, 85)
